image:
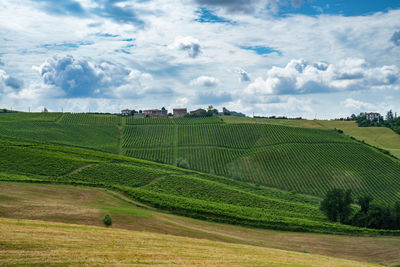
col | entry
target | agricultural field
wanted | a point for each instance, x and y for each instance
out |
(382, 137)
(181, 191)
(87, 206)
(304, 159)
(92, 119)
(234, 167)
(23, 242)
(51, 128)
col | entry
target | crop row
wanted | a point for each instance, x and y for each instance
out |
(252, 135)
(101, 137)
(120, 174)
(92, 119)
(162, 155)
(169, 121)
(148, 136)
(31, 116)
(18, 160)
(315, 169)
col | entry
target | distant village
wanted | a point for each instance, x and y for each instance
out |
(179, 113)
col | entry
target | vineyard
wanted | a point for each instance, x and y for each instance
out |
(307, 160)
(240, 172)
(181, 191)
(92, 119)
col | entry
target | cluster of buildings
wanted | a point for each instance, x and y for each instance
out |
(155, 113)
(177, 113)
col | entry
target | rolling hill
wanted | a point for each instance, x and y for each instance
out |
(36, 243)
(88, 205)
(240, 165)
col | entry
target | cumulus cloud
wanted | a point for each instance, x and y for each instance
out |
(188, 44)
(357, 104)
(301, 77)
(9, 83)
(396, 38)
(205, 81)
(82, 78)
(243, 75)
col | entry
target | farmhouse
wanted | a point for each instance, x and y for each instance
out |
(198, 111)
(371, 116)
(179, 112)
(126, 112)
(156, 113)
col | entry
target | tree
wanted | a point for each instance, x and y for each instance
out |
(337, 205)
(389, 115)
(364, 203)
(107, 220)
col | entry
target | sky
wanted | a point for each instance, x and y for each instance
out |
(298, 58)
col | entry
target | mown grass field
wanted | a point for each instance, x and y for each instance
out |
(33, 243)
(87, 206)
(377, 136)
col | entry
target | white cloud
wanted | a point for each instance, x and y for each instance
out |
(206, 81)
(301, 77)
(189, 44)
(358, 105)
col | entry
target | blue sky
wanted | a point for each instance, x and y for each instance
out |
(310, 58)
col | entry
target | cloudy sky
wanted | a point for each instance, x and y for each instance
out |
(310, 58)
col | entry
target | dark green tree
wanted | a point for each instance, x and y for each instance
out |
(364, 202)
(107, 220)
(337, 205)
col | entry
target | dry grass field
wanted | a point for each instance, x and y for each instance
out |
(36, 243)
(87, 206)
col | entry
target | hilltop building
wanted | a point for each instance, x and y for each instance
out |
(179, 112)
(156, 113)
(198, 111)
(371, 116)
(125, 112)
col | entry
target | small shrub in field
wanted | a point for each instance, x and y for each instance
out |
(107, 220)
(183, 163)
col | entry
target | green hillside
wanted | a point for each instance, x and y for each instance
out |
(260, 151)
(88, 206)
(177, 190)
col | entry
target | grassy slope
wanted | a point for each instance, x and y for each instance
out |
(181, 191)
(377, 136)
(83, 205)
(24, 242)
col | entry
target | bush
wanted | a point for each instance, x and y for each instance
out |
(183, 163)
(107, 220)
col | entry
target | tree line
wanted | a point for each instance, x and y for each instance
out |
(338, 207)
